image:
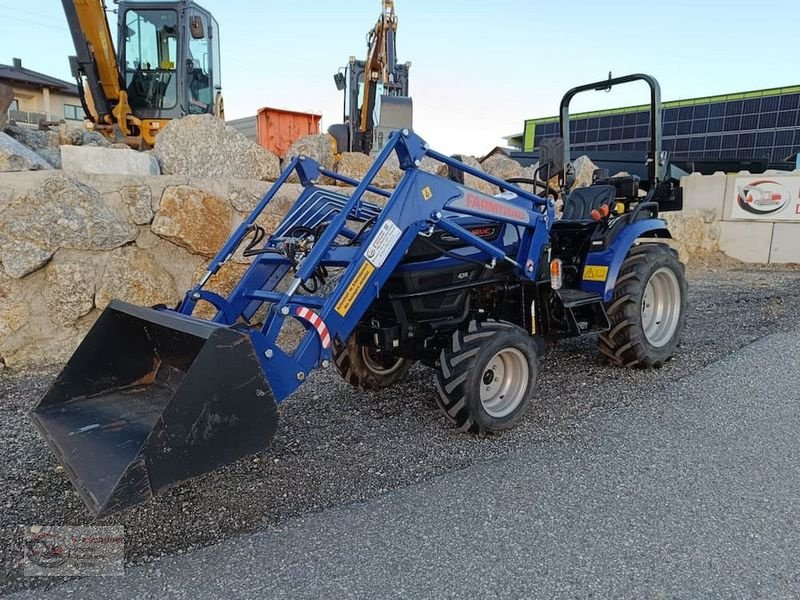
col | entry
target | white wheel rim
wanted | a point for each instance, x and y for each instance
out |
(377, 367)
(503, 382)
(661, 307)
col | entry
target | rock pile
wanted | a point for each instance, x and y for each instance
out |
(204, 146)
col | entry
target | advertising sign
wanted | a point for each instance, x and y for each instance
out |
(765, 198)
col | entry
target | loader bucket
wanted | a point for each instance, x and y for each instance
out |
(152, 398)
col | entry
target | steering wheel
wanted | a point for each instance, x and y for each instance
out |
(535, 183)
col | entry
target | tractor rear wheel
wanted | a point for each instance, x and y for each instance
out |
(367, 368)
(486, 376)
(648, 311)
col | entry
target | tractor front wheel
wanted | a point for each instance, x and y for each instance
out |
(648, 311)
(486, 376)
(367, 368)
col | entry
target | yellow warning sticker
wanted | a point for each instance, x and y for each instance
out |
(595, 273)
(427, 194)
(354, 289)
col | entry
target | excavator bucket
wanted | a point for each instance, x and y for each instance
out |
(152, 398)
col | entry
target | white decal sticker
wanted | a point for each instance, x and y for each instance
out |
(384, 241)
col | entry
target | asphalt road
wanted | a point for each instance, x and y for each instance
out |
(691, 494)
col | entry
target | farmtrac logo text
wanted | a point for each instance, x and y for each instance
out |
(487, 205)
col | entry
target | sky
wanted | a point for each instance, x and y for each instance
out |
(479, 68)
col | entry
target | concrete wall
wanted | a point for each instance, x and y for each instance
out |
(710, 223)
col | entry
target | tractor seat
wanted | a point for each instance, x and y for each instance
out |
(581, 202)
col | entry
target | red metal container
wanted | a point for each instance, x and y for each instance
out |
(277, 129)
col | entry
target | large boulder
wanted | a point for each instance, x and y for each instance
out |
(60, 213)
(78, 135)
(132, 275)
(14, 315)
(204, 146)
(193, 219)
(320, 147)
(470, 180)
(503, 167)
(51, 155)
(15, 156)
(35, 139)
(108, 161)
(584, 170)
(355, 165)
(139, 200)
(69, 293)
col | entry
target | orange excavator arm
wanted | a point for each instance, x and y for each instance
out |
(377, 66)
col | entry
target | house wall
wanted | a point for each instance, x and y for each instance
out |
(46, 102)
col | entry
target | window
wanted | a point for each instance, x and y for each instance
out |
(733, 123)
(787, 118)
(717, 109)
(713, 142)
(765, 139)
(767, 120)
(73, 112)
(790, 101)
(750, 122)
(747, 140)
(751, 106)
(730, 142)
(201, 96)
(151, 55)
(770, 103)
(14, 105)
(783, 138)
(699, 126)
(734, 108)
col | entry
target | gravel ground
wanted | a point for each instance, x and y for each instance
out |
(337, 446)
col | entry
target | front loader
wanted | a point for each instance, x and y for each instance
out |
(466, 283)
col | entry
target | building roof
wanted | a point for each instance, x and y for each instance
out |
(22, 76)
(676, 103)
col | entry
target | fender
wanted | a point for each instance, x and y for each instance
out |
(609, 261)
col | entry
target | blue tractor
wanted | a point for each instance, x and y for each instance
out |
(469, 284)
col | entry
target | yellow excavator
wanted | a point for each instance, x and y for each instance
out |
(376, 100)
(166, 65)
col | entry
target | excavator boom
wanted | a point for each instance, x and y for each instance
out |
(96, 58)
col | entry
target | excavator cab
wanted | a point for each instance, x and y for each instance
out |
(168, 76)
(166, 64)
